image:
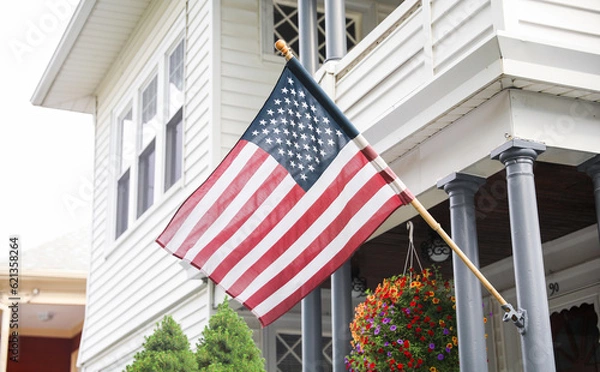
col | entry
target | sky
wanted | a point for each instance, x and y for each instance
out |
(46, 155)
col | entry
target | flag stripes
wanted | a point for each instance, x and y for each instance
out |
(291, 202)
(259, 237)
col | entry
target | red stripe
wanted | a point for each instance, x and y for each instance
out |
(282, 209)
(301, 224)
(370, 153)
(335, 263)
(353, 206)
(245, 212)
(225, 198)
(388, 175)
(406, 196)
(188, 206)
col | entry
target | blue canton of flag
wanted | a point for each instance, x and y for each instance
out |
(295, 130)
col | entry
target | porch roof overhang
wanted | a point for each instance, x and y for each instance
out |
(97, 32)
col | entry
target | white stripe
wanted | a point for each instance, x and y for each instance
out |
(380, 164)
(221, 222)
(270, 203)
(355, 223)
(303, 242)
(211, 197)
(292, 216)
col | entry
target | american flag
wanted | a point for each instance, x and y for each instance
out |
(292, 201)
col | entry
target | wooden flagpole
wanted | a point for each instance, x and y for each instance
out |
(517, 317)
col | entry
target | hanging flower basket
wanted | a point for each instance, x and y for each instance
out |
(407, 324)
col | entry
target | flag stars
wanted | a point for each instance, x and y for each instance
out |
(296, 131)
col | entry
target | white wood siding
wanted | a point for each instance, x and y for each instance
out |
(246, 78)
(573, 23)
(361, 85)
(134, 283)
(457, 25)
(199, 105)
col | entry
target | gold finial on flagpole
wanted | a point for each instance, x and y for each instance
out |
(284, 49)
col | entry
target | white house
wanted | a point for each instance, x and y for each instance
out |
(437, 87)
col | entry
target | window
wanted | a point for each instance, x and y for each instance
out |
(173, 166)
(148, 133)
(126, 155)
(285, 26)
(174, 140)
(146, 179)
(289, 353)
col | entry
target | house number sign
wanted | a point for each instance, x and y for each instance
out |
(554, 288)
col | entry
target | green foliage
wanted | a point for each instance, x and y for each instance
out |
(227, 344)
(166, 350)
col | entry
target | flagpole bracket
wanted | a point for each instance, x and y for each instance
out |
(518, 317)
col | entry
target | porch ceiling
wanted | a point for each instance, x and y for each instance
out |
(565, 202)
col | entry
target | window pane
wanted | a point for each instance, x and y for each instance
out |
(149, 112)
(127, 145)
(175, 90)
(146, 179)
(174, 151)
(122, 203)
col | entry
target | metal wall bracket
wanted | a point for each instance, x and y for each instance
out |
(519, 318)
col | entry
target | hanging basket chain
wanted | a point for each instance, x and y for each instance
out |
(411, 255)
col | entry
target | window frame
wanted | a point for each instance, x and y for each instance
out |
(156, 67)
(363, 14)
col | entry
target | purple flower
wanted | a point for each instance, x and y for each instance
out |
(440, 356)
(446, 331)
(386, 320)
(386, 344)
(448, 349)
(377, 329)
(400, 342)
(432, 346)
(393, 327)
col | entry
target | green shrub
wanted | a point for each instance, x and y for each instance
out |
(166, 350)
(227, 345)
